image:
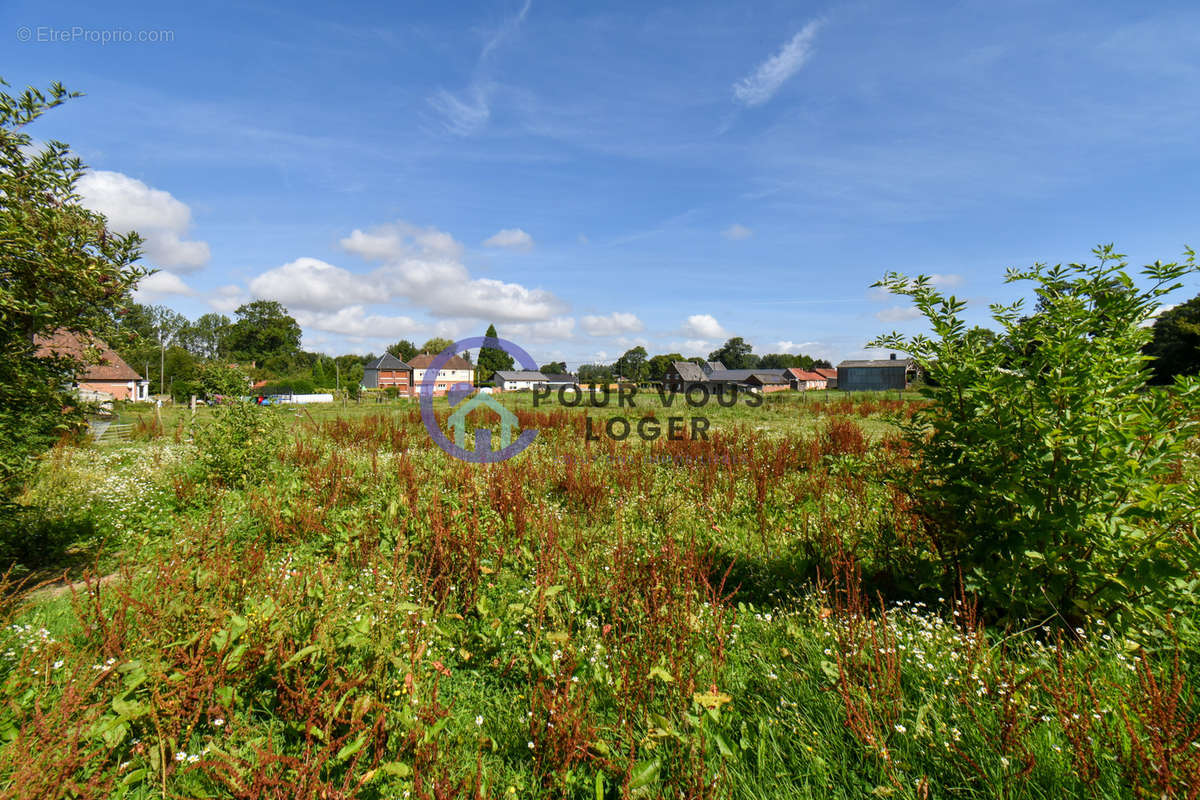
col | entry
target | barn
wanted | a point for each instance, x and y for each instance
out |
(890, 374)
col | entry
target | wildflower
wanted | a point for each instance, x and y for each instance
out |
(218, 722)
(180, 756)
(529, 745)
(900, 728)
(479, 721)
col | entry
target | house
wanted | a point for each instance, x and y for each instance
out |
(682, 374)
(456, 370)
(387, 372)
(101, 370)
(830, 376)
(879, 375)
(518, 380)
(805, 379)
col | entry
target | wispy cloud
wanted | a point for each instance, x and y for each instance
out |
(762, 84)
(736, 231)
(468, 111)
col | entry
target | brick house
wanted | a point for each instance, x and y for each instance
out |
(388, 372)
(806, 379)
(100, 369)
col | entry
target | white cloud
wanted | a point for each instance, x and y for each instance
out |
(736, 232)
(761, 85)
(419, 265)
(898, 314)
(227, 298)
(463, 117)
(793, 347)
(312, 284)
(355, 321)
(704, 326)
(551, 330)
(946, 280)
(613, 324)
(159, 285)
(130, 205)
(693, 347)
(510, 238)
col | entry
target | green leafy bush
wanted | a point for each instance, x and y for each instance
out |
(238, 447)
(1049, 472)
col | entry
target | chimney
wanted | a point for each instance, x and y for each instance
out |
(892, 356)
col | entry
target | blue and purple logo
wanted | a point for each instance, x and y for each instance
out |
(464, 398)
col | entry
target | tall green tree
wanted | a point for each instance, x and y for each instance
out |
(632, 364)
(403, 349)
(554, 368)
(1045, 464)
(263, 329)
(60, 269)
(206, 337)
(167, 324)
(1175, 347)
(491, 358)
(734, 354)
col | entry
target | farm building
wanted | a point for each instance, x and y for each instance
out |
(518, 380)
(805, 379)
(873, 376)
(555, 380)
(101, 371)
(829, 374)
(387, 371)
(456, 370)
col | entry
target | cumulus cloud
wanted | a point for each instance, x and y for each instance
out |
(616, 323)
(946, 280)
(897, 314)
(312, 284)
(160, 285)
(227, 298)
(511, 239)
(419, 265)
(551, 330)
(130, 205)
(356, 322)
(693, 347)
(736, 232)
(704, 326)
(761, 85)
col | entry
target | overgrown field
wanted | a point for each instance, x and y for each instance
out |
(272, 603)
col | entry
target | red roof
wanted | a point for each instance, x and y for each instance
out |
(806, 375)
(826, 372)
(102, 364)
(424, 360)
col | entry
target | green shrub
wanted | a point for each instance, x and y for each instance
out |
(1049, 472)
(239, 445)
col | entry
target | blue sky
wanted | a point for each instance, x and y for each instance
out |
(591, 176)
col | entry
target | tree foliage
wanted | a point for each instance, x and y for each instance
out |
(263, 330)
(1175, 347)
(1047, 467)
(632, 364)
(60, 268)
(734, 354)
(554, 368)
(437, 344)
(403, 350)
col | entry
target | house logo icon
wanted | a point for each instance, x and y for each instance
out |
(464, 402)
(483, 437)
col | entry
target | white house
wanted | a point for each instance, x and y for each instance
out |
(518, 380)
(456, 370)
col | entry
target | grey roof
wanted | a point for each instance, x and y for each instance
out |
(688, 371)
(739, 375)
(768, 377)
(519, 375)
(387, 361)
(713, 366)
(560, 377)
(881, 362)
